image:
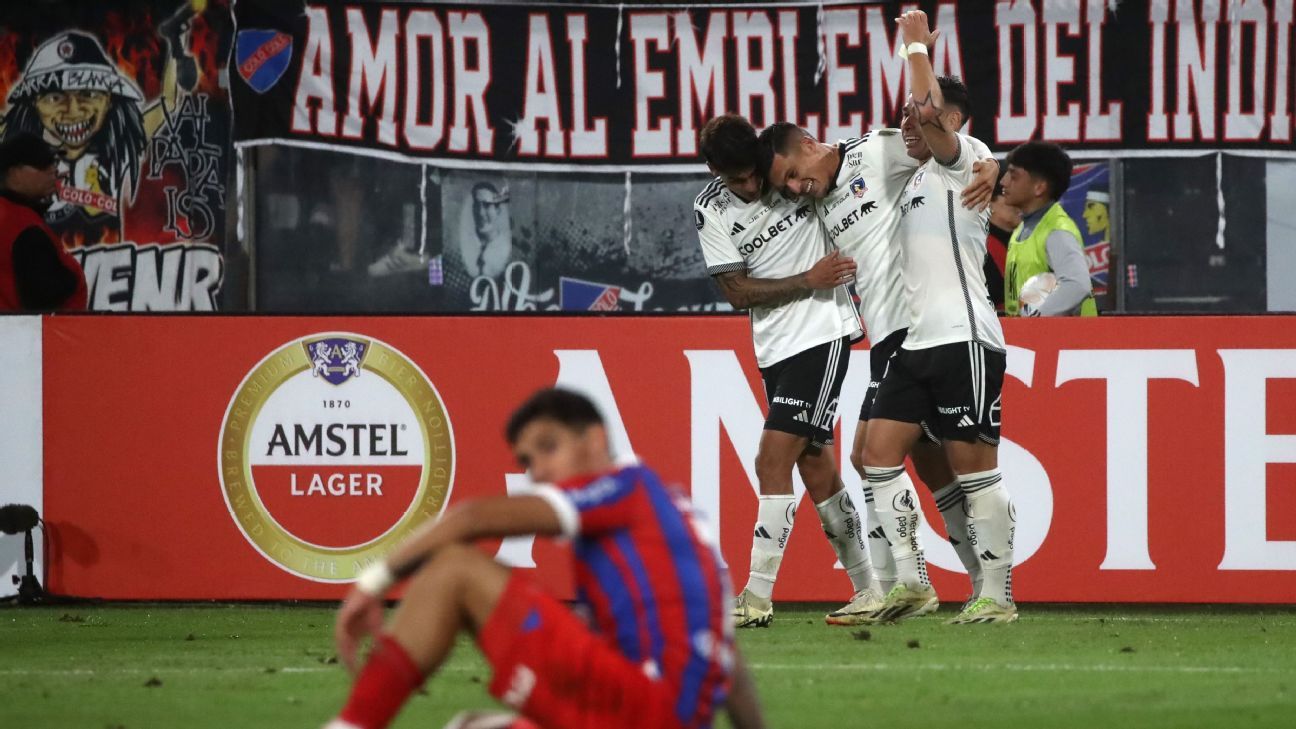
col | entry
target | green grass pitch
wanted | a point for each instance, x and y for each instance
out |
(1096, 667)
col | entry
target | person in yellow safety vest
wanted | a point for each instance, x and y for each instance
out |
(1047, 240)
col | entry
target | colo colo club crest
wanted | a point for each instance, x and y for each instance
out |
(334, 448)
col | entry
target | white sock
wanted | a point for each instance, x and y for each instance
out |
(845, 531)
(950, 501)
(879, 548)
(991, 528)
(773, 528)
(896, 502)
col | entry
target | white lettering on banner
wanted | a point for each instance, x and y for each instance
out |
(1248, 449)
(470, 84)
(1013, 128)
(1127, 372)
(755, 81)
(586, 140)
(540, 100)
(1195, 67)
(373, 74)
(1099, 126)
(1280, 121)
(886, 67)
(1059, 70)
(420, 26)
(701, 75)
(1157, 120)
(1240, 125)
(316, 81)
(839, 79)
(649, 139)
(787, 35)
(512, 294)
(175, 277)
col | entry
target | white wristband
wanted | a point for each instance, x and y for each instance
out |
(915, 47)
(375, 580)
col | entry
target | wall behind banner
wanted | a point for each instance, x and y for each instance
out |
(1151, 459)
(134, 97)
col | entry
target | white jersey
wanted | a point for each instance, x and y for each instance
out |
(862, 215)
(773, 237)
(944, 248)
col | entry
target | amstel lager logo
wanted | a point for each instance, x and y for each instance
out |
(333, 449)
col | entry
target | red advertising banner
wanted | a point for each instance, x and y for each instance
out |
(1150, 459)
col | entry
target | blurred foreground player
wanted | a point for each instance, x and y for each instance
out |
(660, 652)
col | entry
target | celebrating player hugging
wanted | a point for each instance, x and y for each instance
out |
(944, 381)
(769, 255)
(855, 185)
(937, 354)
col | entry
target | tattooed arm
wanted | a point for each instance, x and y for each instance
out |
(743, 292)
(938, 125)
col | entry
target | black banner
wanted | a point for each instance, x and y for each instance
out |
(631, 86)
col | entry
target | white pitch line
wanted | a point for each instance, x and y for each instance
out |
(188, 671)
(1022, 667)
(1017, 667)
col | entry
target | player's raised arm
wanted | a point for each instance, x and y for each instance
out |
(925, 94)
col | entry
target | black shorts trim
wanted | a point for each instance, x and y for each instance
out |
(953, 391)
(802, 391)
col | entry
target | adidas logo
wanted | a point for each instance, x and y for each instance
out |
(802, 417)
(737, 229)
(760, 532)
(966, 422)
(988, 555)
(879, 534)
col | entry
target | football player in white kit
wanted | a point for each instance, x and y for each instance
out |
(947, 376)
(768, 255)
(856, 185)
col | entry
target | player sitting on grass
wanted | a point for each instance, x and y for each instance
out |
(660, 652)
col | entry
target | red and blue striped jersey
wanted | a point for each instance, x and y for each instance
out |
(653, 581)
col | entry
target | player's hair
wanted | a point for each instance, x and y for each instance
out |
(956, 95)
(776, 139)
(728, 144)
(571, 409)
(1046, 161)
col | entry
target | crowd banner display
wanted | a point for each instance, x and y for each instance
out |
(1149, 459)
(135, 102)
(628, 86)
